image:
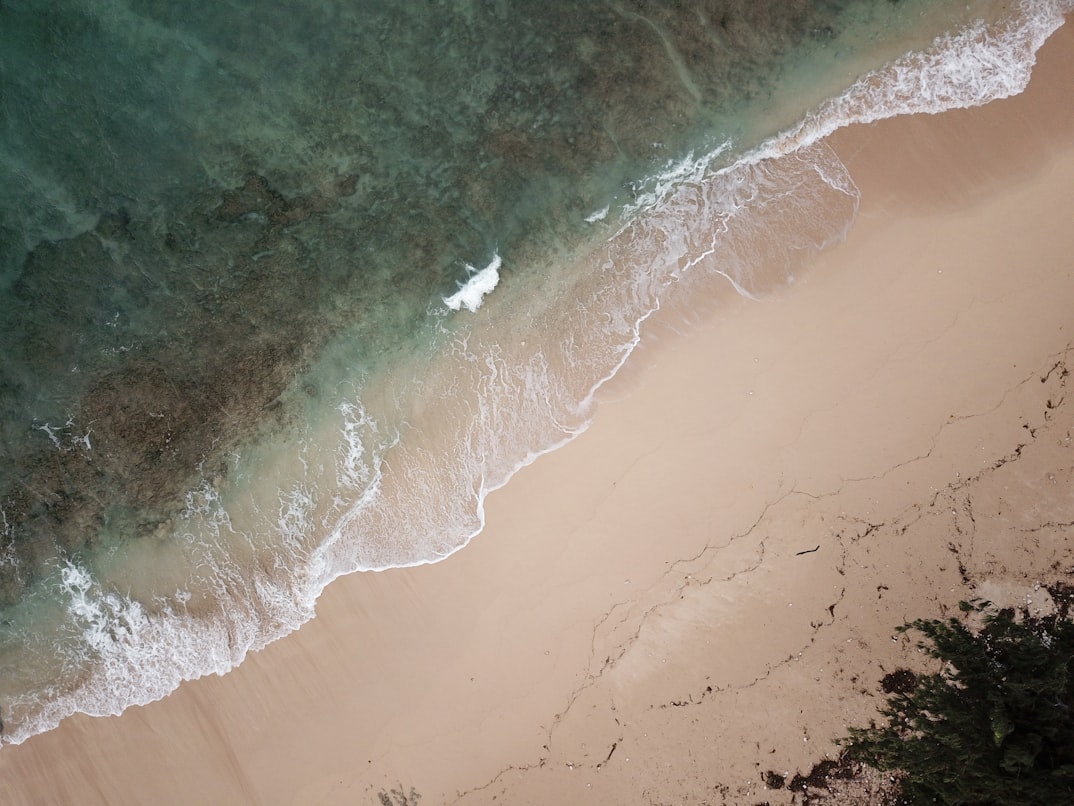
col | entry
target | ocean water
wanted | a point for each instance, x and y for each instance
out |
(286, 292)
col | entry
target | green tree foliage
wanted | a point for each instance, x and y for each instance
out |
(994, 725)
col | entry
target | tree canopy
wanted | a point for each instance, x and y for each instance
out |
(994, 725)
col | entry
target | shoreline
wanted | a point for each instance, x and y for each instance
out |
(549, 659)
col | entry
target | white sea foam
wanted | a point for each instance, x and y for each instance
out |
(598, 215)
(8, 555)
(105, 618)
(474, 290)
(66, 437)
(133, 659)
(203, 513)
(971, 67)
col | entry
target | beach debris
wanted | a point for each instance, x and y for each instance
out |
(773, 780)
(399, 797)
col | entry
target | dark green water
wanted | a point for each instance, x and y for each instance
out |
(226, 232)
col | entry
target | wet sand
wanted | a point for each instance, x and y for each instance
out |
(703, 588)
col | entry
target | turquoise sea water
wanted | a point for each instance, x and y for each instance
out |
(243, 259)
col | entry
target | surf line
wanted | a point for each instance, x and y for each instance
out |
(479, 284)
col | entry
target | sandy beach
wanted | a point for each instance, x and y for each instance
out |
(689, 602)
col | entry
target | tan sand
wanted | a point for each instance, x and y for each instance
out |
(637, 623)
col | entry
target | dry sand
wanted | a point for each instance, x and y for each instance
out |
(638, 623)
